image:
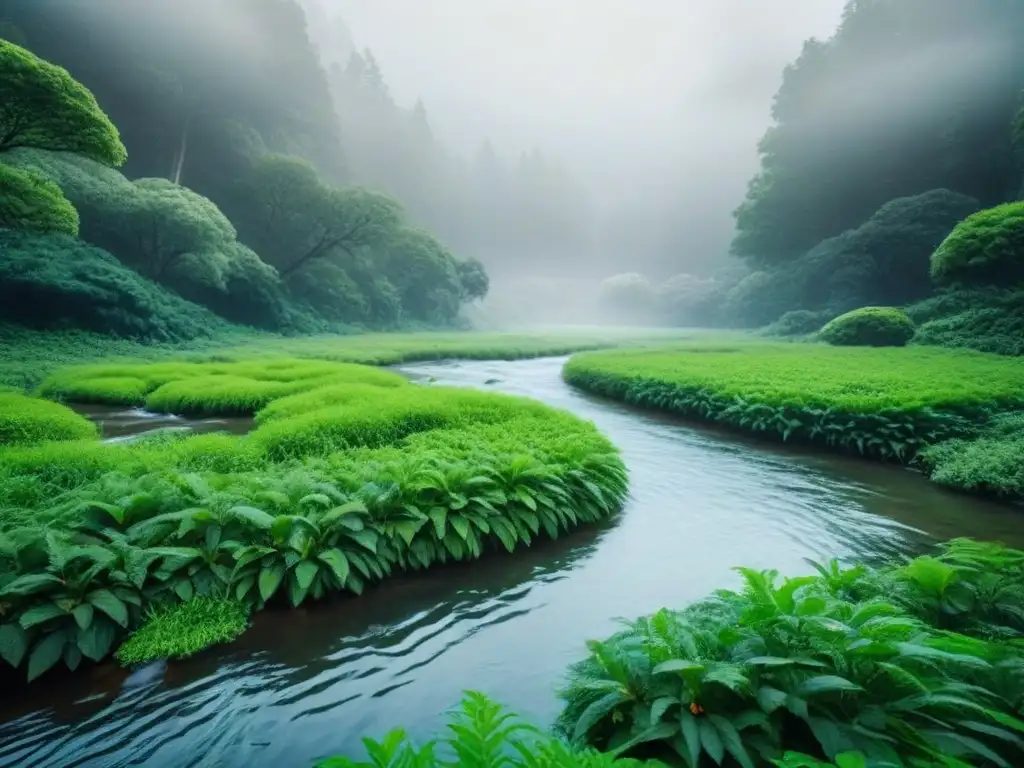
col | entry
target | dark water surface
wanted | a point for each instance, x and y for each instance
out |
(304, 684)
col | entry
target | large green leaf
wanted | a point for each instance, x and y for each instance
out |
(595, 712)
(107, 602)
(825, 684)
(13, 643)
(41, 614)
(83, 615)
(732, 740)
(676, 665)
(31, 584)
(253, 516)
(305, 572)
(711, 740)
(691, 737)
(335, 560)
(94, 642)
(46, 653)
(270, 580)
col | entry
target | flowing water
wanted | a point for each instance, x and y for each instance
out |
(308, 683)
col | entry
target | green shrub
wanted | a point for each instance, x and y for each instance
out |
(799, 322)
(875, 401)
(32, 203)
(56, 281)
(184, 629)
(482, 735)
(869, 327)
(906, 665)
(25, 420)
(992, 463)
(986, 319)
(985, 249)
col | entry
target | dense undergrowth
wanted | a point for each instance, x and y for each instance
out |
(916, 665)
(335, 489)
(26, 420)
(882, 402)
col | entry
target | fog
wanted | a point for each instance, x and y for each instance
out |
(655, 106)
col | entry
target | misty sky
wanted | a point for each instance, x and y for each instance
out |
(594, 80)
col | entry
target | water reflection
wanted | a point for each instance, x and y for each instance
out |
(302, 684)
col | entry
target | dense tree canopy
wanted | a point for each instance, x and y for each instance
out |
(908, 96)
(30, 201)
(43, 107)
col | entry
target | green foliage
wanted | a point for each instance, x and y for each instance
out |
(904, 666)
(29, 201)
(43, 107)
(481, 734)
(29, 420)
(179, 630)
(334, 491)
(869, 327)
(985, 249)
(991, 463)
(884, 402)
(987, 319)
(55, 282)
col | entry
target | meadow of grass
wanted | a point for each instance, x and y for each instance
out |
(918, 664)
(351, 474)
(28, 357)
(883, 402)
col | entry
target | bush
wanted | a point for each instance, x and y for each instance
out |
(869, 327)
(31, 202)
(25, 420)
(986, 319)
(56, 281)
(991, 464)
(799, 322)
(909, 666)
(985, 249)
(177, 631)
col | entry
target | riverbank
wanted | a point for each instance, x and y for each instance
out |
(352, 474)
(894, 404)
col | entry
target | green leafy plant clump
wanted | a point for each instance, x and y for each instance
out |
(26, 420)
(481, 734)
(339, 487)
(913, 665)
(991, 464)
(883, 402)
(987, 248)
(869, 327)
(184, 629)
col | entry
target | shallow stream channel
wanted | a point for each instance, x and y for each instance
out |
(304, 684)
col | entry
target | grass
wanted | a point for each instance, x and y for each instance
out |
(27, 420)
(917, 664)
(352, 474)
(28, 357)
(884, 402)
(183, 630)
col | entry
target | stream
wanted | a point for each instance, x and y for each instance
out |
(304, 684)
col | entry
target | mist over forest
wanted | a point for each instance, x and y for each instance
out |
(507, 163)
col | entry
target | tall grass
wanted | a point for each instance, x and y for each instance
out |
(884, 402)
